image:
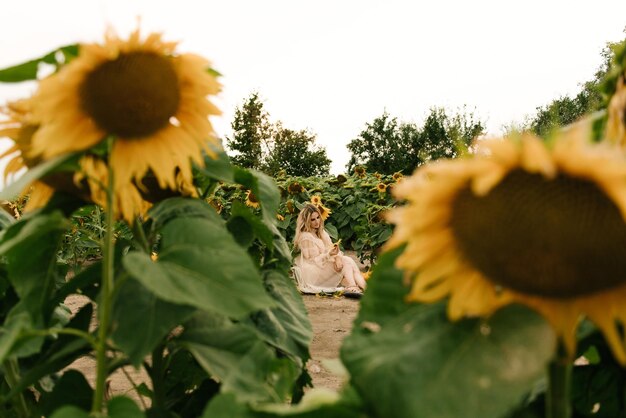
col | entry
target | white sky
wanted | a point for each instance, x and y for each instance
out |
(334, 65)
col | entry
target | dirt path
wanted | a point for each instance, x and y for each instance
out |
(332, 321)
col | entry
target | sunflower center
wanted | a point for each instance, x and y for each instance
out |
(557, 238)
(132, 96)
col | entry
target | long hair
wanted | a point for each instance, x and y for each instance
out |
(304, 223)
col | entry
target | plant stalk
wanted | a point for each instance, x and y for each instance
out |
(558, 403)
(104, 307)
(12, 376)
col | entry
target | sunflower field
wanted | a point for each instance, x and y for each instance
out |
(497, 287)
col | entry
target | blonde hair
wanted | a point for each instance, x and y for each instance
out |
(304, 223)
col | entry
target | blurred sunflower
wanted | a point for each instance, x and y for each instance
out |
(397, 176)
(280, 217)
(381, 187)
(359, 170)
(216, 205)
(290, 206)
(324, 212)
(295, 188)
(378, 176)
(521, 223)
(316, 200)
(341, 178)
(252, 200)
(139, 91)
(19, 127)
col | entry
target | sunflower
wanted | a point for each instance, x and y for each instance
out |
(521, 223)
(316, 200)
(341, 179)
(381, 187)
(216, 205)
(252, 200)
(359, 170)
(397, 176)
(324, 212)
(20, 129)
(280, 217)
(295, 188)
(290, 206)
(152, 101)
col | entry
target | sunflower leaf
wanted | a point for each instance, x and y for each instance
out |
(28, 70)
(201, 265)
(474, 368)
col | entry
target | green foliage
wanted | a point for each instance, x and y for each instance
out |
(245, 327)
(593, 95)
(388, 146)
(28, 70)
(295, 153)
(252, 132)
(263, 145)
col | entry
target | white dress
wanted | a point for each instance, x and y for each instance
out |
(314, 268)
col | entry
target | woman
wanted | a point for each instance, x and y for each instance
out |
(320, 265)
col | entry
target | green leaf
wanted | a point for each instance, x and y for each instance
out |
(260, 229)
(142, 320)
(261, 377)
(71, 389)
(332, 231)
(14, 189)
(123, 407)
(443, 369)
(11, 331)
(28, 70)
(316, 403)
(217, 343)
(286, 326)
(219, 168)
(201, 265)
(30, 248)
(70, 412)
(178, 207)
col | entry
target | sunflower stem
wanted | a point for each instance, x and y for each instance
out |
(12, 377)
(558, 403)
(104, 307)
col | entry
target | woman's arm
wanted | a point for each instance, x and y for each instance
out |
(310, 251)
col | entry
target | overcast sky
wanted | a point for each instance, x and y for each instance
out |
(333, 65)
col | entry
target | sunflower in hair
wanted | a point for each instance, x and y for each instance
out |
(324, 212)
(521, 222)
(149, 99)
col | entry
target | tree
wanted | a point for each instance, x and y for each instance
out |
(565, 109)
(444, 136)
(296, 153)
(252, 132)
(383, 146)
(388, 146)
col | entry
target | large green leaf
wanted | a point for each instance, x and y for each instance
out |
(177, 207)
(11, 331)
(123, 407)
(286, 326)
(218, 168)
(317, 403)
(71, 389)
(412, 361)
(28, 70)
(141, 320)
(30, 249)
(70, 412)
(217, 343)
(201, 265)
(235, 355)
(259, 228)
